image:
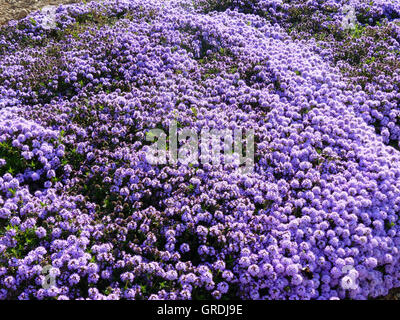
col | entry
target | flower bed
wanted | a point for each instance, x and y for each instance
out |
(317, 217)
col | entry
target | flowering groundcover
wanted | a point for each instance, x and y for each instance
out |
(84, 215)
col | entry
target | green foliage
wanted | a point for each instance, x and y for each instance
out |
(74, 158)
(178, 72)
(15, 163)
(212, 5)
(233, 70)
(190, 188)
(358, 31)
(210, 73)
(33, 21)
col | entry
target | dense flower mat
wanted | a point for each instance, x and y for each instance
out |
(316, 219)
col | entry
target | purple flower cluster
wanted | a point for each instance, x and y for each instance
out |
(317, 218)
(367, 53)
